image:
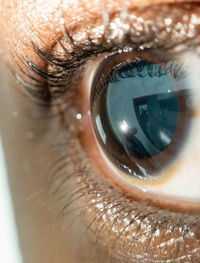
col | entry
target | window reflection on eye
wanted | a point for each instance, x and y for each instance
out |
(129, 89)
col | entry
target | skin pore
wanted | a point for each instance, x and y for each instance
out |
(66, 209)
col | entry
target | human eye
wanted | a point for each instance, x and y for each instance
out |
(111, 188)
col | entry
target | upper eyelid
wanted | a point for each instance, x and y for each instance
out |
(83, 49)
(85, 40)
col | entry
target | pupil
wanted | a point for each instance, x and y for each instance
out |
(142, 109)
(136, 115)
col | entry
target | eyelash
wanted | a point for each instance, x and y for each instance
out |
(78, 186)
(54, 83)
(88, 187)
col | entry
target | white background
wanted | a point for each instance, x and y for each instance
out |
(9, 246)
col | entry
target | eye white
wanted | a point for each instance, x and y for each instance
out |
(183, 179)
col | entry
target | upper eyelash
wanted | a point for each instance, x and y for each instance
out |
(58, 81)
(63, 69)
(152, 70)
(63, 65)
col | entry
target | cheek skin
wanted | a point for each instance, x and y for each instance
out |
(40, 234)
(32, 162)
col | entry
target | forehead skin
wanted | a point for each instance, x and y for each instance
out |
(22, 20)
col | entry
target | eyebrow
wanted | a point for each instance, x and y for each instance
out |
(82, 45)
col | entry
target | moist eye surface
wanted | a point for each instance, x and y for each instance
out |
(142, 109)
(140, 114)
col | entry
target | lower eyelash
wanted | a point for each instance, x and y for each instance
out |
(126, 228)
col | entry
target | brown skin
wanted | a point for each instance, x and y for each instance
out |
(28, 133)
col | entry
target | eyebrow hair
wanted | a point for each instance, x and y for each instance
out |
(56, 79)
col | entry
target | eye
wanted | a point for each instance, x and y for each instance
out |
(136, 111)
(144, 118)
(113, 188)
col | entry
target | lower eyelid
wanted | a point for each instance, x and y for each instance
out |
(123, 230)
(121, 225)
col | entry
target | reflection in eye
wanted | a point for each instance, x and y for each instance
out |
(141, 117)
(136, 112)
(141, 148)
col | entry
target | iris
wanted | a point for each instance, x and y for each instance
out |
(136, 116)
(142, 108)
